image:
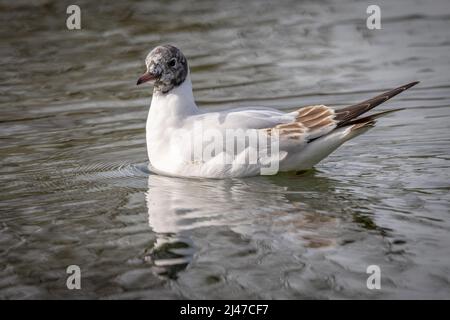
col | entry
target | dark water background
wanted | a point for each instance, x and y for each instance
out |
(74, 188)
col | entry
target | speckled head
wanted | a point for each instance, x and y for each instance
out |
(167, 67)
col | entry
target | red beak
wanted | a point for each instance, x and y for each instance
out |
(145, 77)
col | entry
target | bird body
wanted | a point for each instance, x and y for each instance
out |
(183, 140)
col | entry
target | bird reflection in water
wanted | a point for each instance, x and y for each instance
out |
(287, 210)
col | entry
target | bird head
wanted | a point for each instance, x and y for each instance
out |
(167, 68)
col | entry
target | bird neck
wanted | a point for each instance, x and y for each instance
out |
(177, 103)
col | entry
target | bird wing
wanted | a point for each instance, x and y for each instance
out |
(313, 122)
(243, 118)
(302, 125)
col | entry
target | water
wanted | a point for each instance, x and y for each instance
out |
(75, 188)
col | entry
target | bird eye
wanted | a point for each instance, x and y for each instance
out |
(172, 63)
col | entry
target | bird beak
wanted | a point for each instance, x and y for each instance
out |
(145, 77)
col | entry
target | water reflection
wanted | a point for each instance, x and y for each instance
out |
(291, 211)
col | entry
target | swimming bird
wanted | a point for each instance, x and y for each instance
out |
(183, 140)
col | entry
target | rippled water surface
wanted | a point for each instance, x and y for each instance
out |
(75, 188)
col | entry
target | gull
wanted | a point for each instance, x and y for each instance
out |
(185, 141)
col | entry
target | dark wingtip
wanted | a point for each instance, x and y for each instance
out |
(412, 84)
(344, 115)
